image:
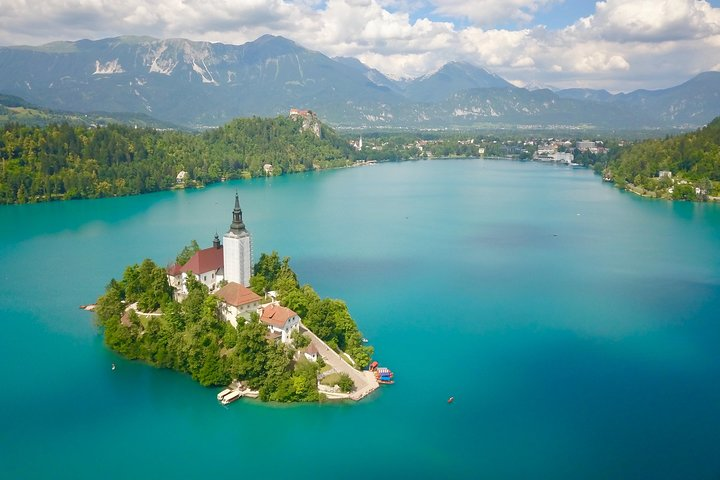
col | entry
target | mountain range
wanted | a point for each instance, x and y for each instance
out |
(198, 84)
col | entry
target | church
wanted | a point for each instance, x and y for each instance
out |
(231, 261)
(226, 269)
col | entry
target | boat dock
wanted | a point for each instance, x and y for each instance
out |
(234, 392)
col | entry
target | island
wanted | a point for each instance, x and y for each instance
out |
(214, 316)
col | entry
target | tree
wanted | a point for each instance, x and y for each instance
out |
(304, 381)
(251, 351)
(268, 267)
(345, 383)
(683, 192)
(299, 340)
(187, 252)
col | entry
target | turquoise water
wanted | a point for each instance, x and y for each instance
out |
(575, 325)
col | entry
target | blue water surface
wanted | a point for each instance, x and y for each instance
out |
(575, 325)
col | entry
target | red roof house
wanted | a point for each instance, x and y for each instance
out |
(237, 300)
(280, 319)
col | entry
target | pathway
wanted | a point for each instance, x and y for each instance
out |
(365, 381)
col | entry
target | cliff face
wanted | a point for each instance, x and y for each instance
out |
(309, 121)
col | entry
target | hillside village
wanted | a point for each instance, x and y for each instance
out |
(557, 150)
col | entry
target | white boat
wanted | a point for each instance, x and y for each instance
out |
(222, 394)
(230, 397)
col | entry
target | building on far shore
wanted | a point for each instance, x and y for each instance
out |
(558, 157)
(584, 145)
(181, 177)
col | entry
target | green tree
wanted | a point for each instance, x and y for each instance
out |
(345, 383)
(187, 252)
(683, 192)
(299, 340)
(251, 352)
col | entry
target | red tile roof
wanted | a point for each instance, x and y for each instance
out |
(276, 315)
(208, 260)
(174, 270)
(237, 295)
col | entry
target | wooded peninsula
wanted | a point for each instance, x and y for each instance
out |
(61, 162)
(685, 167)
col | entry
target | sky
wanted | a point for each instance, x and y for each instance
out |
(618, 45)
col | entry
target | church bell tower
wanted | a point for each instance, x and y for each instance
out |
(237, 250)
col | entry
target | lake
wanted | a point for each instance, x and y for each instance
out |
(575, 325)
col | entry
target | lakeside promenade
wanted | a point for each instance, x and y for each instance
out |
(365, 382)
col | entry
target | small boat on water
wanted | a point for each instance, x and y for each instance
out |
(365, 340)
(113, 366)
(222, 394)
(451, 399)
(382, 375)
(230, 397)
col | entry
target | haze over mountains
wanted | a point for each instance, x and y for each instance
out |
(198, 84)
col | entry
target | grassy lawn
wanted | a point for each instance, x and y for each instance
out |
(331, 379)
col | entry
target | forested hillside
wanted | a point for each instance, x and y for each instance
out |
(64, 162)
(693, 161)
(16, 110)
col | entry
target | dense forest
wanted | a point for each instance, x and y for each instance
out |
(693, 160)
(61, 161)
(190, 336)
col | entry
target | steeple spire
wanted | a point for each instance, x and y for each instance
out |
(216, 241)
(237, 224)
(237, 250)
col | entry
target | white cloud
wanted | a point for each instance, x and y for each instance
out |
(652, 20)
(488, 12)
(600, 62)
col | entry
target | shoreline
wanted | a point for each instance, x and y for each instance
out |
(641, 192)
